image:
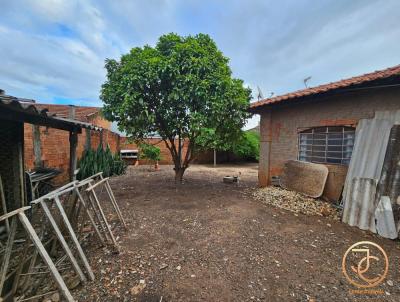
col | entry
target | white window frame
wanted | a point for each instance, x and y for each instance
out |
(326, 144)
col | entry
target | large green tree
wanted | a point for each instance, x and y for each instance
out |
(181, 89)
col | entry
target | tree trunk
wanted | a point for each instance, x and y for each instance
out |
(179, 171)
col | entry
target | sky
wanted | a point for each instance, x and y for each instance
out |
(53, 51)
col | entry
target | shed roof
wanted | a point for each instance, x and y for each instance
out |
(25, 110)
(82, 113)
(346, 83)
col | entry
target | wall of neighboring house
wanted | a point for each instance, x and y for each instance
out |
(280, 126)
(166, 158)
(54, 147)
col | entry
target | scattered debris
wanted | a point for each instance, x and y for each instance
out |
(137, 289)
(230, 179)
(295, 202)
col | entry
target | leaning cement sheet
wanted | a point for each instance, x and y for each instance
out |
(361, 203)
(391, 116)
(385, 225)
(366, 162)
(304, 177)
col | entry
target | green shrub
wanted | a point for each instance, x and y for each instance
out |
(150, 152)
(100, 160)
(247, 146)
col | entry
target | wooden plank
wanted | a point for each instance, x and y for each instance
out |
(82, 201)
(15, 212)
(98, 216)
(84, 181)
(4, 204)
(56, 191)
(104, 218)
(7, 254)
(45, 256)
(92, 187)
(114, 202)
(74, 238)
(62, 240)
(20, 267)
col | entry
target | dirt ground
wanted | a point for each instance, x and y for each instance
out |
(209, 241)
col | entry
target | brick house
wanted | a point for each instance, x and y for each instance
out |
(318, 124)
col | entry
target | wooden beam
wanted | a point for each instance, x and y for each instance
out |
(37, 146)
(88, 142)
(33, 118)
(73, 143)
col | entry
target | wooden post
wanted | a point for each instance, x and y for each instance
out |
(88, 143)
(37, 145)
(101, 138)
(73, 143)
(215, 157)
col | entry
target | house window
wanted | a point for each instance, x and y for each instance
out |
(331, 145)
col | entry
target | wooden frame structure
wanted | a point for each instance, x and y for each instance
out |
(64, 227)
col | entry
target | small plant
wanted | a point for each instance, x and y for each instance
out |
(151, 153)
(100, 160)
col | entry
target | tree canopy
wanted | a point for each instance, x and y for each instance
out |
(181, 89)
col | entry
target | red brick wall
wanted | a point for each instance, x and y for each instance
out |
(166, 158)
(55, 147)
(281, 125)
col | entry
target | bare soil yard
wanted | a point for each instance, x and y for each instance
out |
(209, 241)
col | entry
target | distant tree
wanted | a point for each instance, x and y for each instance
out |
(247, 146)
(150, 152)
(180, 89)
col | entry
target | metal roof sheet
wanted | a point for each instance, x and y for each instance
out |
(28, 107)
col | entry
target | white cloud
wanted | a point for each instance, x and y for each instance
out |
(56, 48)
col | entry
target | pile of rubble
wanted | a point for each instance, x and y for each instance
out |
(295, 202)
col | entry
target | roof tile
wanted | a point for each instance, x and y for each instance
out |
(380, 74)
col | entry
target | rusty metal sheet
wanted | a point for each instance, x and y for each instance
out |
(304, 177)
